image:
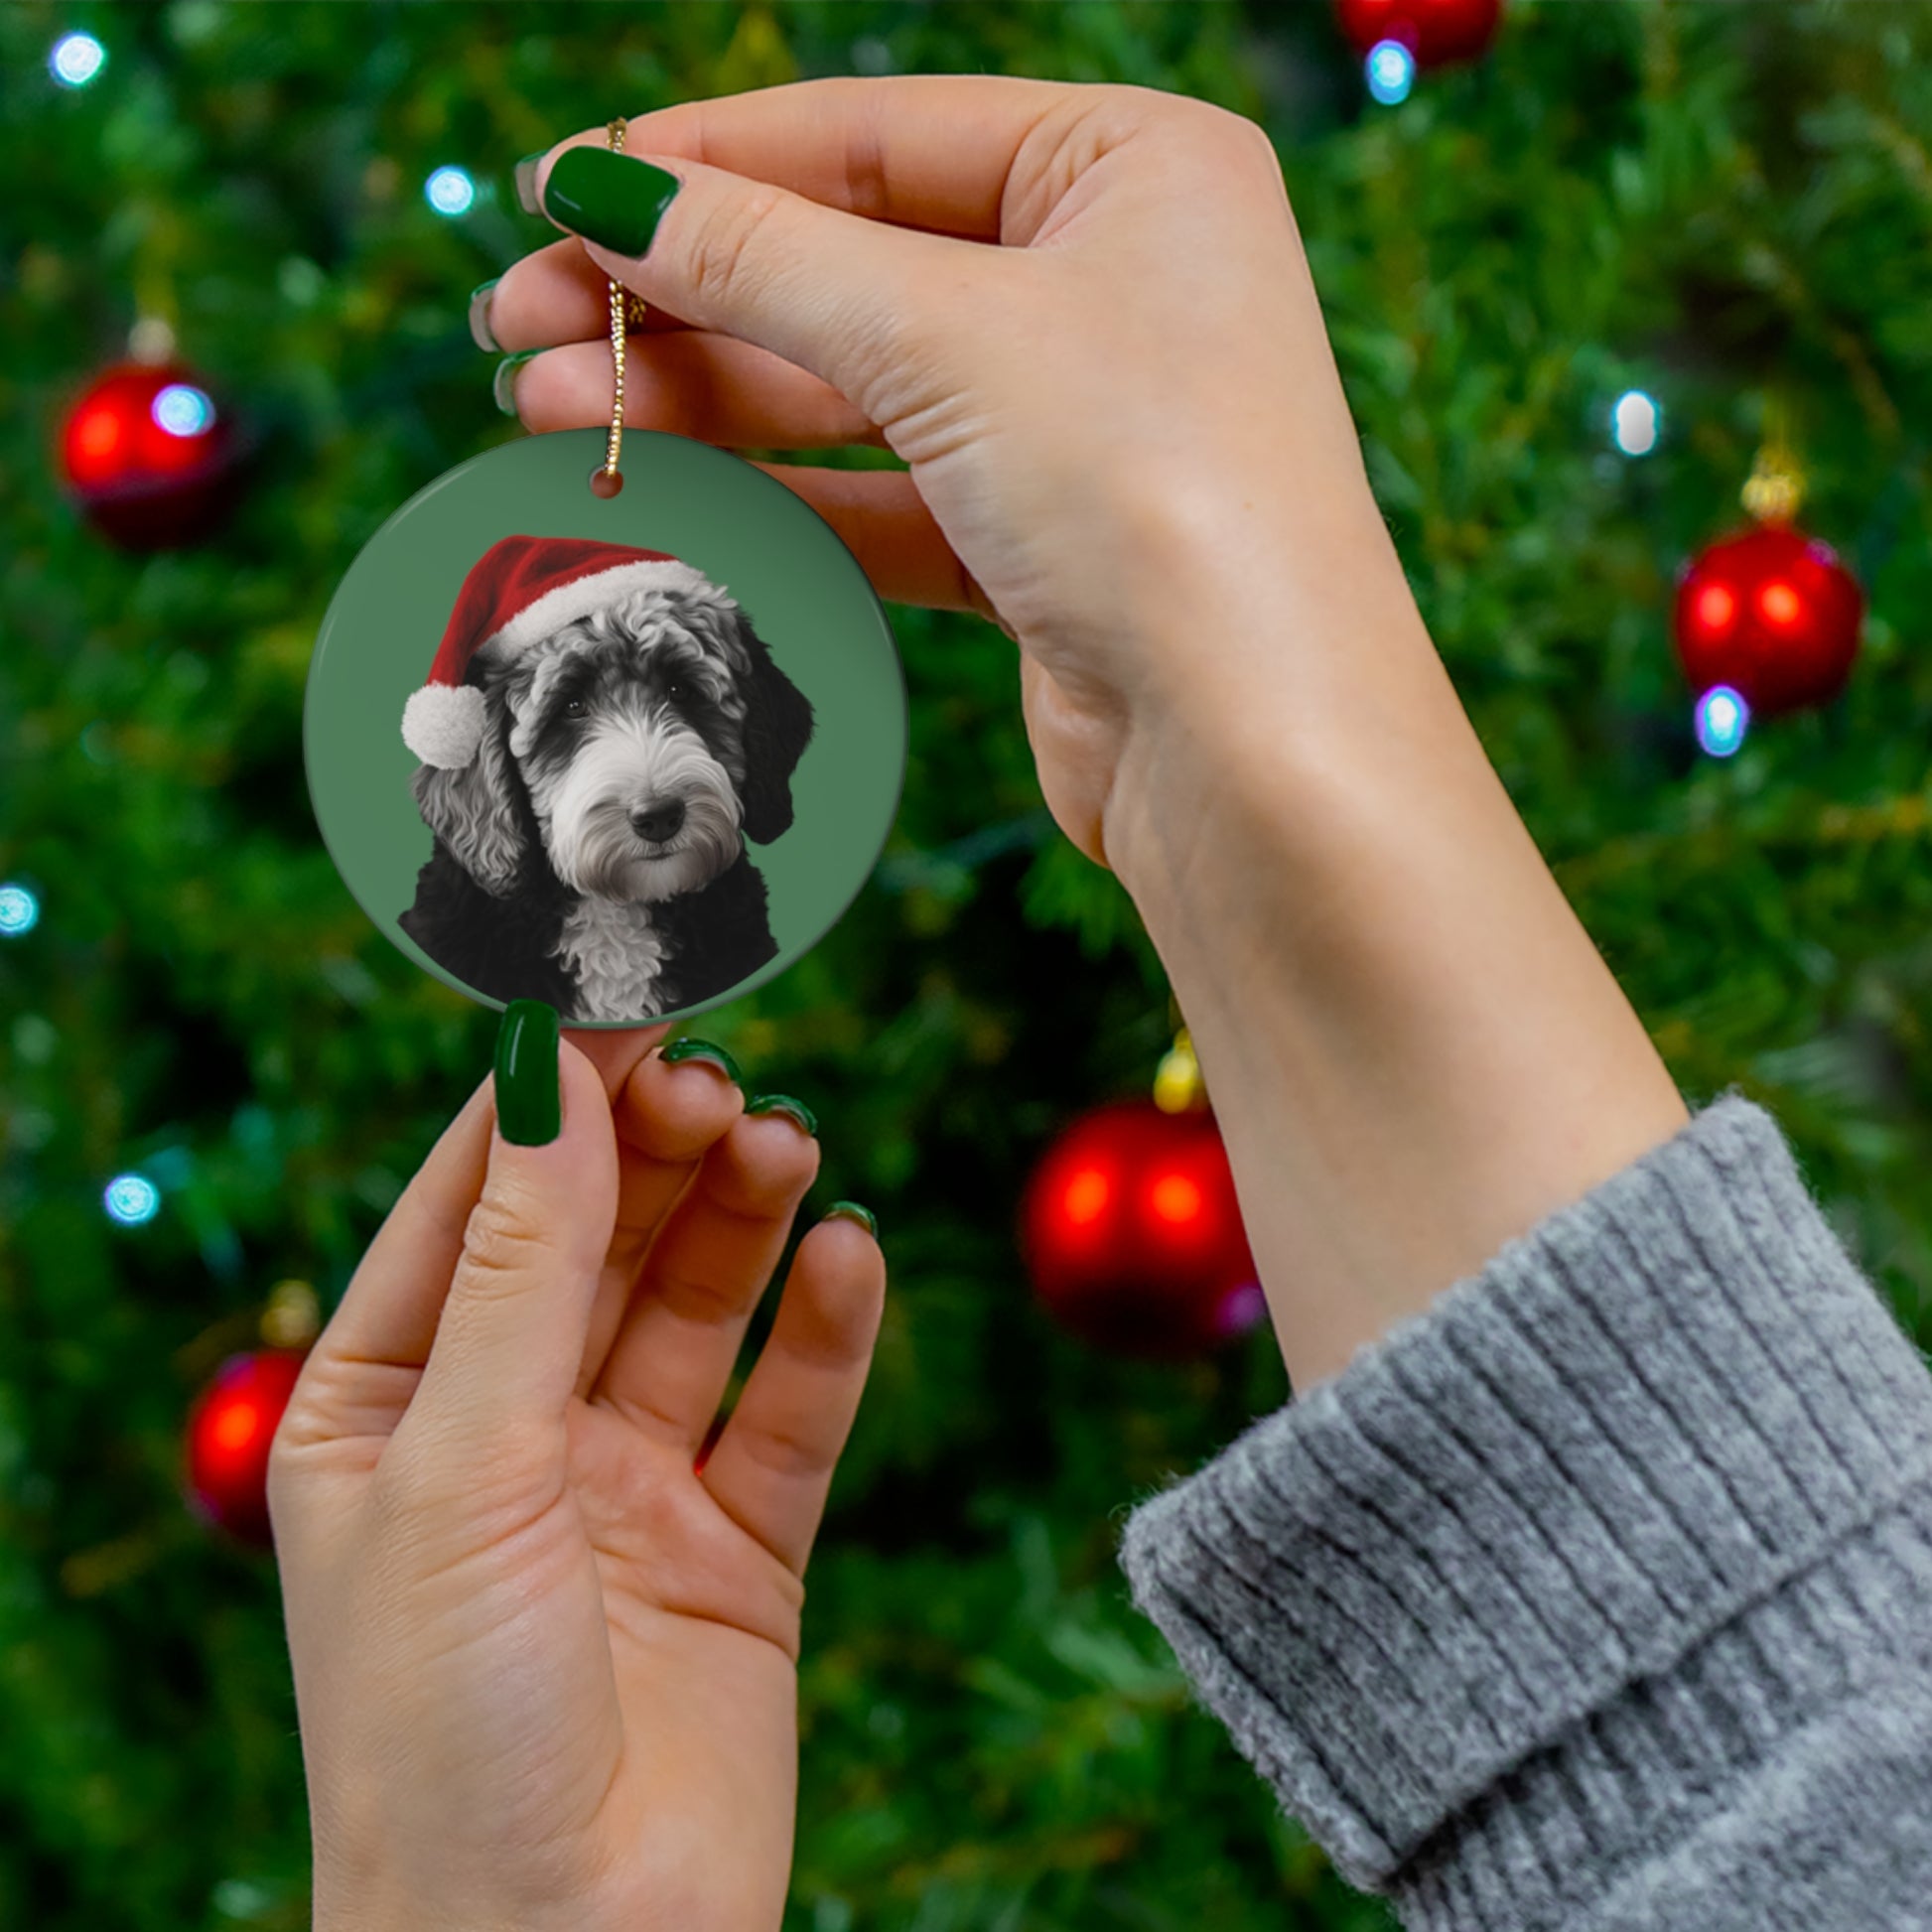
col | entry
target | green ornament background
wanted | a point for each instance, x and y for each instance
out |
(799, 585)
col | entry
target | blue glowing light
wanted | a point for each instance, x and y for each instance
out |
(1722, 718)
(183, 410)
(76, 60)
(1635, 423)
(1391, 72)
(20, 911)
(450, 191)
(132, 1198)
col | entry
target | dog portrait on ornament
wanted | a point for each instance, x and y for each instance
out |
(602, 733)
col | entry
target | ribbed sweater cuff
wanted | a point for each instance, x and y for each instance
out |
(1538, 1518)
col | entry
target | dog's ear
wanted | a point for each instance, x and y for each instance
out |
(778, 728)
(479, 810)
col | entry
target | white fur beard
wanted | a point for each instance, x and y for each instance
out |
(587, 834)
(617, 958)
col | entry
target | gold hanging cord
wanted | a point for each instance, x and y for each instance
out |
(1775, 490)
(628, 311)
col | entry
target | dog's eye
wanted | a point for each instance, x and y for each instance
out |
(574, 708)
(674, 688)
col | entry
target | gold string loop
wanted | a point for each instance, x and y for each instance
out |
(627, 311)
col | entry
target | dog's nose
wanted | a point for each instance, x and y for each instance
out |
(659, 820)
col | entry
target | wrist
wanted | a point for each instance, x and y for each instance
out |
(1278, 668)
(1413, 1047)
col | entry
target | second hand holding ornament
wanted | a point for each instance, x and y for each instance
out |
(603, 729)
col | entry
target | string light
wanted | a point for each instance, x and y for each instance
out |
(131, 1199)
(1722, 718)
(76, 59)
(1391, 72)
(450, 192)
(20, 911)
(183, 410)
(1636, 422)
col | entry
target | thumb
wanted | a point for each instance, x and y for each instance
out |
(511, 1339)
(832, 292)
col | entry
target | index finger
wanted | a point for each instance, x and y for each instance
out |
(931, 151)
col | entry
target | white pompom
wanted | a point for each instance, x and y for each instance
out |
(442, 723)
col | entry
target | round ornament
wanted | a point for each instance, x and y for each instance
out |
(1773, 613)
(631, 753)
(149, 456)
(231, 1431)
(1133, 1235)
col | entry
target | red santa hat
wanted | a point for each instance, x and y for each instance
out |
(517, 593)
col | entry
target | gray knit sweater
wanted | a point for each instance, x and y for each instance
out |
(1599, 1595)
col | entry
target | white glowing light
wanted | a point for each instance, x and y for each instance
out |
(1722, 718)
(20, 911)
(76, 60)
(1635, 423)
(132, 1198)
(450, 191)
(1391, 72)
(183, 410)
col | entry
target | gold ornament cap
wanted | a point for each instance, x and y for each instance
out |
(1177, 1086)
(1775, 489)
(293, 1317)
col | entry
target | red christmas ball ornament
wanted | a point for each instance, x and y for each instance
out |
(1133, 1235)
(1436, 32)
(150, 456)
(229, 1431)
(1772, 613)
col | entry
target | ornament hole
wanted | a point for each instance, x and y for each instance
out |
(606, 484)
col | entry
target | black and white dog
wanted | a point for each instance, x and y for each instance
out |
(592, 852)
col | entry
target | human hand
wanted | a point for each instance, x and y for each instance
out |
(545, 1671)
(1127, 404)
(1127, 439)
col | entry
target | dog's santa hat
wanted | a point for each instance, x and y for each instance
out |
(517, 593)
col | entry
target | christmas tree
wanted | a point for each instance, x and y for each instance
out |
(1719, 211)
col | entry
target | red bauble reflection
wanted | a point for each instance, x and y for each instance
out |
(1772, 613)
(1133, 1236)
(1436, 32)
(229, 1431)
(149, 456)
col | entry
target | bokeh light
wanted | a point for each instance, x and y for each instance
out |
(1636, 423)
(183, 410)
(1722, 718)
(20, 911)
(76, 60)
(1391, 72)
(450, 191)
(132, 1198)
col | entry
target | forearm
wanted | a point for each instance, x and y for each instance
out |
(1413, 1047)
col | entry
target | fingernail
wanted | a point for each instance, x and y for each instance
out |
(610, 198)
(480, 317)
(783, 1103)
(527, 183)
(504, 384)
(529, 1087)
(850, 1210)
(706, 1051)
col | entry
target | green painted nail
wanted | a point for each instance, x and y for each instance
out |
(712, 1054)
(525, 177)
(529, 1096)
(504, 384)
(480, 315)
(783, 1103)
(610, 198)
(850, 1210)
